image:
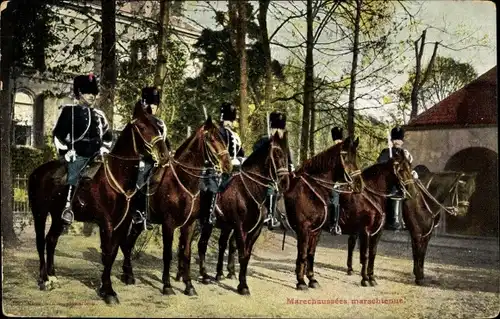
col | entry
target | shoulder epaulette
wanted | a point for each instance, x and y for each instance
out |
(64, 105)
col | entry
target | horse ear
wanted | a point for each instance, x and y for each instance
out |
(209, 123)
(138, 110)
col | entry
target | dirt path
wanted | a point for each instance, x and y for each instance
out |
(457, 290)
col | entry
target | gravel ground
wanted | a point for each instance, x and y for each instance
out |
(463, 283)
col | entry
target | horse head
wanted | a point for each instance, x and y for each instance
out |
(144, 132)
(463, 189)
(403, 172)
(348, 161)
(277, 161)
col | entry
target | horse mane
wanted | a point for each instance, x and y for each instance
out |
(185, 144)
(256, 156)
(320, 162)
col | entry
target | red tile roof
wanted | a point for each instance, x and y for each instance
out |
(475, 103)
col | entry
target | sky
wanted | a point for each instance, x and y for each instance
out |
(455, 17)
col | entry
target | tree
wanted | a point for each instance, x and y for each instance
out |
(445, 77)
(308, 83)
(26, 33)
(162, 40)
(242, 53)
(108, 67)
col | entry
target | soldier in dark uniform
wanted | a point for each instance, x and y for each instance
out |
(396, 196)
(277, 123)
(211, 182)
(149, 102)
(81, 132)
(334, 205)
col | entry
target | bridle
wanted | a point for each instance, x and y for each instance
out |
(149, 146)
(348, 176)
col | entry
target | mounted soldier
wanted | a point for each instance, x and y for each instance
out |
(81, 133)
(211, 182)
(277, 124)
(396, 196)
(150, 101)
(334, 205)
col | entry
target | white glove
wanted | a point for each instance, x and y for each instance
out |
(235, 162)
(415, 175)
(70, 156)
(292, 168)
(241, 159)
(103, 150)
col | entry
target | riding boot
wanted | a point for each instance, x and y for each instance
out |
(67, 215)
(393, 217)
(271, 213)
(212, 219)
(140, 208)
(334, 211)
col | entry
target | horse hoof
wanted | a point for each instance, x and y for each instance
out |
(44, 286)
(313, 284)
(301, 286)
(168, 291)
(420, 282)
(178, 277)
(206, 279)
(244, 291)
(364, 283)
(127, 279)
(372, 282)
(190, 292)
(350, 272)
(231, 275)
(111, 300)
(219, 277)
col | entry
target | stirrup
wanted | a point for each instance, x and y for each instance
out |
(336, 230)
(67, 216)
(212, 219)
(138, 217)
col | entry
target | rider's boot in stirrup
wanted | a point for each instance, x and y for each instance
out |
(272, 220)
(212, 218)
(67, 215)
(334, 211)
(393, 218)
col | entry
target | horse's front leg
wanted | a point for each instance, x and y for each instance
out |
(223, 238)
(185, 242)
(168, 237)
(351, 244)
(231, 257)
(53, 235)
(371, 258)
(180, 269)
(205, 233)
(302, 241)
(109, 247)
(244, 258)
(126, 246)
(311, 251)
(364, 241)
(419, 247)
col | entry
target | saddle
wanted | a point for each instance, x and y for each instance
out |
(60, 175)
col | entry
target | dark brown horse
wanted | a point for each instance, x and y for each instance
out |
(104, 199)
(176, 201)
(240, 207)
(306, 199)
(436, 192)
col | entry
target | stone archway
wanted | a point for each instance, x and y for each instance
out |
(482, 218)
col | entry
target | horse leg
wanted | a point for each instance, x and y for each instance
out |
(109, 247)
(205, 233)
(364, 242)
(311, 250)
(302, 241)
(224, 236)
(126, 246)
(231, 260)
(168, 237)
(351, 244)
(40, 219)
(53, 235)
(373, 244)
(185, 240)
(180, 249)
(419, 248)
(244, 260)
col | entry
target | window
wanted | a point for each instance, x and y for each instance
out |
(23, 119)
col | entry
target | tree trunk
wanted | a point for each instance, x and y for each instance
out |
(108, 67)
(308, 85)
(163, 33)
(311, 130)
(268, 88)
(418, 71)
(7, 217)
(354, 68)
(241, 44)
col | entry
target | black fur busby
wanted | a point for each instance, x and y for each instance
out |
(336, 133)
(397, 133)
(227, 112)
(277, 120)
(151, 95)
(85, 84)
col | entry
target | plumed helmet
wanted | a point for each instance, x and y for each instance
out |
(336, 133)
(227, 112)
(397, 133)
(85, 84)
(151, 95)
(277, 120)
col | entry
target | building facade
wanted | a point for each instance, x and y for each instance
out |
(460, 133)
